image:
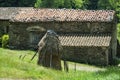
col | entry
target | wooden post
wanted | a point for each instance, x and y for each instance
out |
(50, 60)
(74, 62)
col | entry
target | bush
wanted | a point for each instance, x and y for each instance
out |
(5, 40)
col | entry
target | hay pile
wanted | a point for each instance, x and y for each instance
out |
(50, 51)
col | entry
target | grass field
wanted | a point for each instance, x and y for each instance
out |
(11, 67)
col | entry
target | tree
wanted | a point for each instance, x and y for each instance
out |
(60, 4)
(118, 10)
(48, 3)
(67, 4)
(81, 4)
(92, 4)
(17, 3)
(108, 4)
(104, 4)
(26, 3)
(37, 4)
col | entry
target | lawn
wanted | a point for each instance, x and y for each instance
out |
(12, 67)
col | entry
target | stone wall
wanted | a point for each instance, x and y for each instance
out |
(118, 49)
(114, 40)
(89, 27)
(89, 55)
(3, 25)
(20, 36)
(1, 29)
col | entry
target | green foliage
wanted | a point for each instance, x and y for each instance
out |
(47, 3)
(118, 31)
(108, 4)
(118, 10)
(5, 40)
(59, 4)
(74, 4)
(37, 4)
(17, 3)
(104, 4)
(81, 4)
(92, 4)
(68, 3)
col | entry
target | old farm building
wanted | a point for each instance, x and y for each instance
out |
(87, 36)
(5, 16)
(6, 13)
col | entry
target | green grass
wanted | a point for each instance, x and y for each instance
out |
(11, 67)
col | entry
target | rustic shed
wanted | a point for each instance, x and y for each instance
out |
(87, 36)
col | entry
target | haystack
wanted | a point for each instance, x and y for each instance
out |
(50, 51)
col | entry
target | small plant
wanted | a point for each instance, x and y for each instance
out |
(5, 39)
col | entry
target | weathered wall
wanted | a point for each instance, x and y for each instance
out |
(89, 55)
(114, 40)
(75, 26)
(1, 29)
(118, 49)
(20, 36)
(3, 25)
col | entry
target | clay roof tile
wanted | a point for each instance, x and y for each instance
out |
(88, 40)
(64, 15)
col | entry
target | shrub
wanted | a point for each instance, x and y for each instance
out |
(5, 39)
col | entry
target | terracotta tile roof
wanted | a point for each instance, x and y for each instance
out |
(33, 15)
(89, 40)
(7, 13)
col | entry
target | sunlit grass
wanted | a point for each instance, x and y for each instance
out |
(14, 68)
